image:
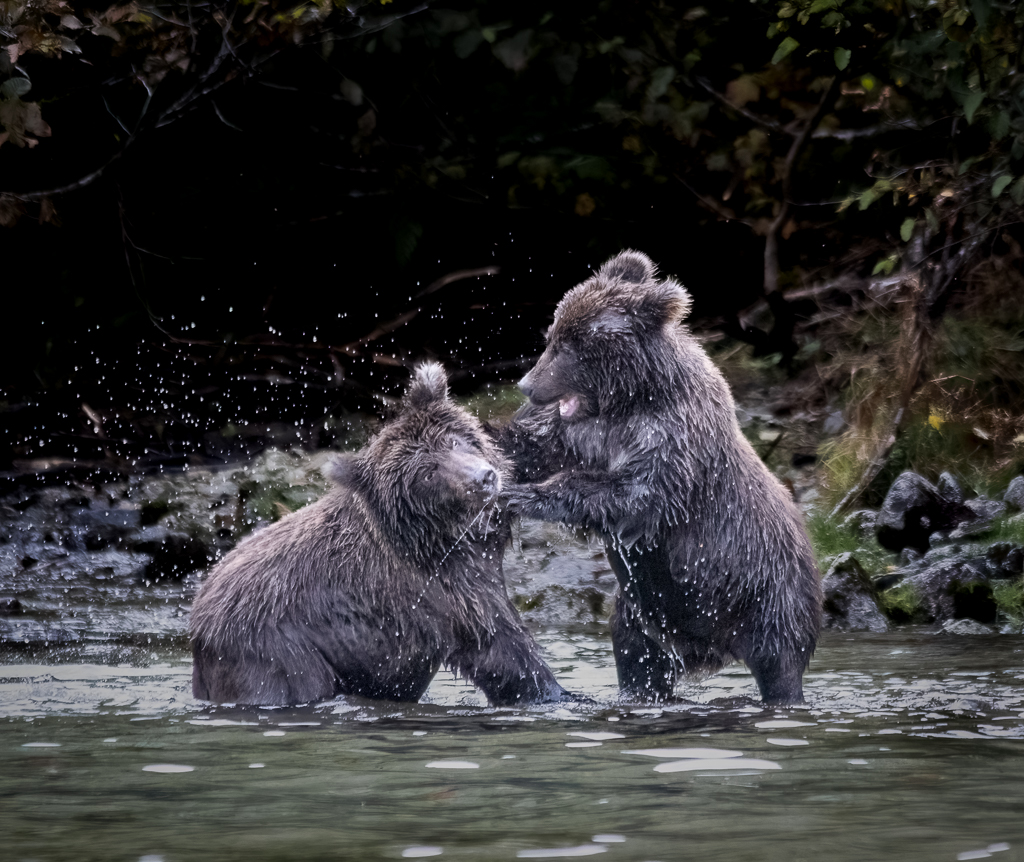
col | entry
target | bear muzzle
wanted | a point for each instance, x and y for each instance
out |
(477, 476)
(542, 388)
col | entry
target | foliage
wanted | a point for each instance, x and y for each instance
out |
(966, 414)
(859, 157)
(1009, 598)
(746, 108)
(830, 538)
(494, 403)
(1008, 529)
(949, 64)
(698, 95)
(901, 602)
(152, 62)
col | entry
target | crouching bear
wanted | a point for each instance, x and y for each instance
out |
(631, 431)
(394, 573)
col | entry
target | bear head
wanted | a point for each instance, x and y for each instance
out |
(430, 472)
(607, 347)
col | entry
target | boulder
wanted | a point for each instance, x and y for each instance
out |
(966, 627)
(998, 561)
(984, 513)
(850, 603)
(954, 590)
(861, 522)
(913, 510)
(173, 554)
(950, 488)
(1014, 494)
(955, 581)
(1004, 560)
(909, 556)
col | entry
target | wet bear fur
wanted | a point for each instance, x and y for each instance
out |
(631, 431)
(393, 574)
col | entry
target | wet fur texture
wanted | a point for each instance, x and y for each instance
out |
(369, 591)
(631, 431)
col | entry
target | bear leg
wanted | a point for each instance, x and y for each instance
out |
(508, 668)
(260, 680)
(645, 670)
(779, 678)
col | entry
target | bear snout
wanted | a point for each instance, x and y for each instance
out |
(543, 384)
(475, 476)
(488, 480)
(526, 387)
(484, 483)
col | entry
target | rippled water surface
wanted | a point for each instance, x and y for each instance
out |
(911, 747)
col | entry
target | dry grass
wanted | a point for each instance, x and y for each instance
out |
(966, 413)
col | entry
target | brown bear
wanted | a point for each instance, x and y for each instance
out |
(394, 573)
(631, 431)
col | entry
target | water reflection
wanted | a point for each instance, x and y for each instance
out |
(563, 852)
(738, 763)
(911, 746)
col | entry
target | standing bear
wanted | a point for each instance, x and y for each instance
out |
(631, 432)
(394, 573)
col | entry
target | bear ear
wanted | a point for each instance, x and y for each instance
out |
(429, 384)
(630, 266)
(345, 470)
(673, 301)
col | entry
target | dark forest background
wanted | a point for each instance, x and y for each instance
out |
(227, 225)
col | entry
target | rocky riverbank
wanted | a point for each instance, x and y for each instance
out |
(106, 570)
(932, 554)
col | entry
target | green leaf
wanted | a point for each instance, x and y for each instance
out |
(885, 265)
(406, 235)
(1017, 191)
(660, 80)
(967, 164)
(15, 87)
(982, 10)
(1000, 185)
(591, 168)
(907, 229)
(467, 42)
(972, 101)
(874, 193)
(786, 47)
(842, 57)
(510, 158)
(932, 219)
(999, 125)
(834, 21)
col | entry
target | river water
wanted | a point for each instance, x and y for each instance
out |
(911, 746)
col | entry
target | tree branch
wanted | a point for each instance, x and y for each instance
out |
(713, 205)
(771, 245)
(765, 122)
